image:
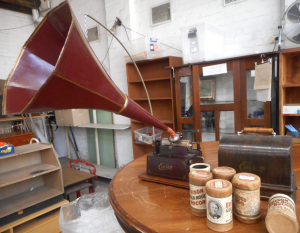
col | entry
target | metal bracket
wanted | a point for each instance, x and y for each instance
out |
(173, 72)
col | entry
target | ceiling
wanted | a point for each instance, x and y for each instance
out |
(23, 6)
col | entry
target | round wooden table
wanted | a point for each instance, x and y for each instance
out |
(142, 206)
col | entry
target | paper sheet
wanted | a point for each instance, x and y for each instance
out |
(264, 95)
(263, 76)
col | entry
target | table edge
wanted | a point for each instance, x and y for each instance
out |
(128, 222)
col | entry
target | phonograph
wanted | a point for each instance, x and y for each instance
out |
(57, 69)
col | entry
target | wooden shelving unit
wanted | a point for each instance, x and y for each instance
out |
(45, 220)
(160, 85)
(29, 176)
(289, 86)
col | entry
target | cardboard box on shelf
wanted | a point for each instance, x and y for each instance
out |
(72, 117)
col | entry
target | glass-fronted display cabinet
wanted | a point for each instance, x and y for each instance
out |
(210, 105)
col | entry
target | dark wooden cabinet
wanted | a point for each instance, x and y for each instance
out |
(208, 107)
(16, 138)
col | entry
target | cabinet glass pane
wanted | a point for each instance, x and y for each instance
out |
(255, 109)
(186, 96)
(208, 126)
(226, 123)
(187, 131)
(216, 89)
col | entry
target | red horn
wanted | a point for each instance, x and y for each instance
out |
(57, 69)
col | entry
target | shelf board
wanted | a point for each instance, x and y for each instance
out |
(165, 121)
(19, 150)
(24, 200)
(150, 80)
(105, 126)
(27, 219)
(153, 98)
(20, 118)
(142, 144)
(35, 224)
(291, 85)
(290, 114)
(22, 174)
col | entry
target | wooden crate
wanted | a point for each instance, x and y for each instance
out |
(28, 177)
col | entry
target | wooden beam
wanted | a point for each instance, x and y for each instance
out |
(32, 4)
(12, 7)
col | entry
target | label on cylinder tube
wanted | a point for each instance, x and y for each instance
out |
(198, 197)
(219, 210)
(246, 202)
(282, 203)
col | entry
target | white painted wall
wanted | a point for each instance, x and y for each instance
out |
(96, 9)
(11, 41)
(121, 9)
(247, 28)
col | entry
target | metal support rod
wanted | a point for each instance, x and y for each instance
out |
(67, 140)
(96, 138)
(149, 102)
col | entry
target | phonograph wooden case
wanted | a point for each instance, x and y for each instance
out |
(268, 156)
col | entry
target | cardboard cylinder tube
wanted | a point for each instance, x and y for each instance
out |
(197, 181)
(225, 173)
(246, 197)
(200, 166)
(219, 205)
(281, 216)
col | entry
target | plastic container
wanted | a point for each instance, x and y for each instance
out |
(201, 42)
(144, 135)
(142, 48)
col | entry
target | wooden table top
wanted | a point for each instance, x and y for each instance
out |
(73, 176)
(143, 206)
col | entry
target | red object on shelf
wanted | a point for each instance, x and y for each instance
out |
(92, 171)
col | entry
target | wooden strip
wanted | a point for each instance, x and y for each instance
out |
(77, 187)
(217, 127)
(220, 107)
(196, 104)
(20, 150)
(255, 122)
(24, 200)
(267, 114)
(237, 97)
(178, 101)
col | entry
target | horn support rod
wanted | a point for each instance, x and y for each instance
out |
(170, 131)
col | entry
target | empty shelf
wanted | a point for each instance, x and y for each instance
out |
(25, 173)
(105, 126)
